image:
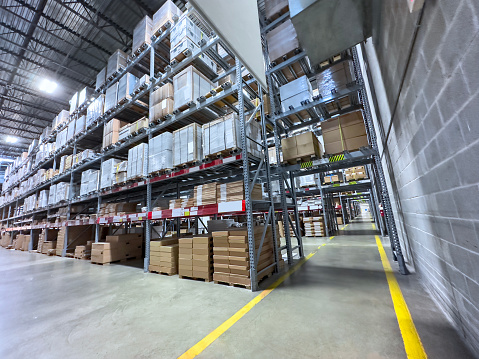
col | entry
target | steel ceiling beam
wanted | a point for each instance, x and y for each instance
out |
(149, 11)
(28, 104)
(26, 41)
(44, 44)
(24, 147)
(59, 24)
(19, 129)
(17, 135)
(19, 122)
(32, 93)
(22, 113)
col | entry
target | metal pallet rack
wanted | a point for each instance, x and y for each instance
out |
(318, 110)
(241, 165)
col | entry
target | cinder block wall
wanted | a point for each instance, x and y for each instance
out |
(433, 145)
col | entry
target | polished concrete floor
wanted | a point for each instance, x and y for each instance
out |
(337, 305)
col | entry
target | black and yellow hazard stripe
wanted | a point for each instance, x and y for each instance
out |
(307, 164)
(336, 158)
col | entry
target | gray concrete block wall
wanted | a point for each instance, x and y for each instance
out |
(433, 146)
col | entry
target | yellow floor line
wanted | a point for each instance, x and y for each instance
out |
(215, 334)
(412, 342)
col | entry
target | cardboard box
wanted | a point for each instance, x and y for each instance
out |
(344, 133)
(303, 145)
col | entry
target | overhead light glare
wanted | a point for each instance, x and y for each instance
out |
(48, 86)
(11, 139)
(6, 160)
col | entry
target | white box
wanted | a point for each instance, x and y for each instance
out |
(187, 144)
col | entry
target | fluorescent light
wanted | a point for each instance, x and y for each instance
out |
(11, 139)
(48, 86)
(6, 160)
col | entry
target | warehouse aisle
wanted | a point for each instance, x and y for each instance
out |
(337, 305)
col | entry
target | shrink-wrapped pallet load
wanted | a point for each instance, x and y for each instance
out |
(187, 144)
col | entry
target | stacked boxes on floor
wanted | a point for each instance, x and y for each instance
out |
(205, 194)
(195, 257)
(111, 132)
(231, 255)
(116, 248)
(313, 226)
(234, 191)
(190, 84)
(164, 256)
(161, 102)
(60, 241)
(83, 251)
(344, 133)
(160, 152)
(187, 144)
(301, 146)
(339, 219)
(6, 240)
(355, 173)
(137, 161)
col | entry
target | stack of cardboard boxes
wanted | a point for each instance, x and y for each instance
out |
(160, 152)
(137, 161)
(164, 256)
(89, 181)
(111, 132)
(333, 178)
(302, 146)
(118, 208)
(190, 84)
(161, 102)
(108, 171)
(116, 248)
(344, 133)
(231, 255)
(355, 173)
(187, 144)
(234, 191)
(83, 251)
(313, 226)
(181, 203)
(195, 257)
(205, 194)
(6, 240)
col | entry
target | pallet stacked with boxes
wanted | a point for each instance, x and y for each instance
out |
(231, 255)
(117, 248)
(234, 191)
(195, 258)
(344, 133)
(355, 173)
(83, 251)
(313, 226)
(161, 102)
(301, 147)
(164, 256)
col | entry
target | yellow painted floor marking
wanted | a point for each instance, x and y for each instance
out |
(412, 342)
(215, 334)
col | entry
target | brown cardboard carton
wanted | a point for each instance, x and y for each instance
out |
(219, 259)
(201, 257)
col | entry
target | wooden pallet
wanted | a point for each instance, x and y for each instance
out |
(163, 273)
(224, 153)
(162, 28)
(184, 107)
(296, 160)
(160, 172)
(195, 278)
(119, 261)
(180, 57)
(231, 284)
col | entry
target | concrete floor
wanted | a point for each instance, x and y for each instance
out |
(336, 306)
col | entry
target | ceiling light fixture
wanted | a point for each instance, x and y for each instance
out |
(11, 139)
(48, 86)
(6, 160)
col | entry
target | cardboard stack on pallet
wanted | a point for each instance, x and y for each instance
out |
(83, 251)
(168, 12)
(201, 264)
(181, 203)
(89, 181)
(304, 146)
(108, 169)
(137, 162)
(231, 260)
(205, 194)
(111, 132)
(142, 34)
(234, 191)
(117, 248)
(344, 133)
(190, 84)
(116, 209)
(313, 226)
(333, 178)
(355, 173)
(6, 240)
(160, 152)
(187, 144)
(161, 102)
(164, 256)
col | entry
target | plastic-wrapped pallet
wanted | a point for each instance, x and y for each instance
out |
(126, 86)
(187, 144)
(294, 92)
(71, 130)
(137, 161)
(168, 12)
(160, 152)
(74, 102)
(43, 199)
(116, 62)
(80, 125)
(95, 109)
(61, 138)
(185, 34)
(84, 96)
(120, 172)
(111, 96)
(100, 78)
(61, 118)
(52, 194)
(124, 132)
(89, 181)
(190, 84)
(107, 172)
(142, 33)
(282, 40)
(143, 80)
(336, 77)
